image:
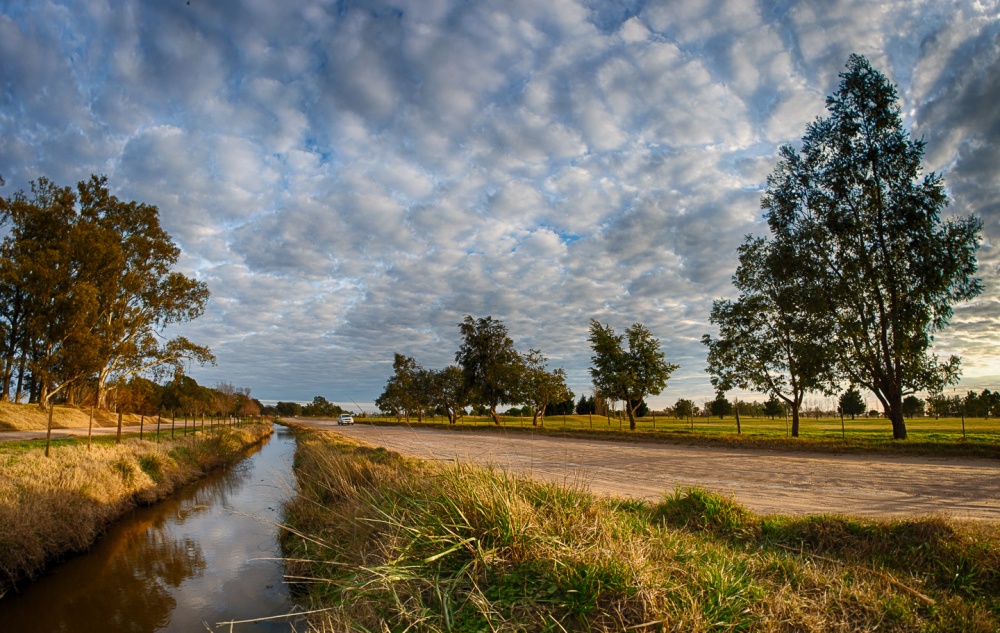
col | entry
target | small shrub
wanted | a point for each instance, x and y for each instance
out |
(697, 509)
(152, 465)
(125, 470)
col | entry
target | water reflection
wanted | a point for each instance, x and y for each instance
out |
(181, 565)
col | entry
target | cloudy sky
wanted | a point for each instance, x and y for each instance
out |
(351, 178)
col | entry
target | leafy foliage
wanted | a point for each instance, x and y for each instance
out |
(539, 387)
(851, 402)
(86, 289)
(770, 339)
(490, 364)
(863, 230)
(627, 375)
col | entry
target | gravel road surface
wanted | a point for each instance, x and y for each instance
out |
(767, 482)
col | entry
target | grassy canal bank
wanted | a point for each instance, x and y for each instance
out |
(387, 543)
(50, 507)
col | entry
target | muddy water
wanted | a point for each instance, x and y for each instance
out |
(203, 557)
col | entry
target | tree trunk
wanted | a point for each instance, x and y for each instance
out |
(20, 379)
(631, 417)
(895, 413)
(8, 373)
(534, 417)
(795, 419)
(493, 414)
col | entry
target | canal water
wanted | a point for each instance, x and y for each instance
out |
(206, 555)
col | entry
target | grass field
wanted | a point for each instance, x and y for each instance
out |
(386, 543)
(981, 438)
(30, 417)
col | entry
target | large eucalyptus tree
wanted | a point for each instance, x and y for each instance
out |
(862, 225)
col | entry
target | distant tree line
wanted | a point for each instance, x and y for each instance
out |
(87, 288)
(489, 371)
(320, 407)
(183, 396)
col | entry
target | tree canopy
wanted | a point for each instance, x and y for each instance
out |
(87, 287)
(851, 403)
(539, 387)
(770, 340)
(863, 229)
(490, 364)
(629, 375)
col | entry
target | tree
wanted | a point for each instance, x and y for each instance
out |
(586, 406)
(627, 375)
(851, 403)
(683, 408)
(48, 280)
(540, 387)
(913, 406)
(448, 391)
(769, 339)
(139, 293)
(720, 406)
(407, 390)
(320, 407)
(773, 407)
(490, 364)
(288, 409)
(865, 233)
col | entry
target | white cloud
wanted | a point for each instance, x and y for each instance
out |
(351, 180)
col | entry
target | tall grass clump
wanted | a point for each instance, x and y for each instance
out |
(385, 543)
(52, 506)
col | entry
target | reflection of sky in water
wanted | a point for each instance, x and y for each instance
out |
(178, 565)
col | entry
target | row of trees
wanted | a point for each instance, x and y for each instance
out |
(859, 272)
(87, 288)
(320, 407)
(183, 396)
(490, 371)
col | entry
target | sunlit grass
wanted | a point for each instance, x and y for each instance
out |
(53, 505)
(30, 417)
(388, 543)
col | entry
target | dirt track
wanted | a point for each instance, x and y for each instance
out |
(768, 482)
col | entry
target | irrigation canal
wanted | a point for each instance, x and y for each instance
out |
(204, 556)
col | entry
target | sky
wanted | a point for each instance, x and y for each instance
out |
(352, 178)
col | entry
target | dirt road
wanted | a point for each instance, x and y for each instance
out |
(767, 482)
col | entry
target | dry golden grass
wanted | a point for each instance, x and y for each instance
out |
(30, 417)
(60, 504)
(391, 544)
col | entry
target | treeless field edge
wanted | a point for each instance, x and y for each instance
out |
(31, 417)
(386, 542)
(51, 507)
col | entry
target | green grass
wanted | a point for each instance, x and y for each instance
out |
(927, 436)
(387, 543)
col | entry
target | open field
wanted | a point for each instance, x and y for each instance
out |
(390, 543)
(926, 435)
(53, 506)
